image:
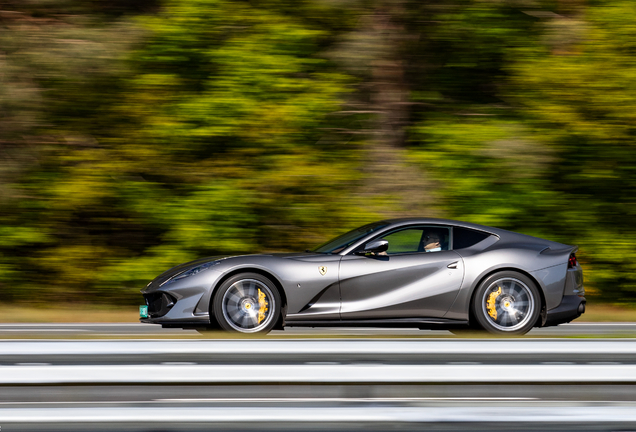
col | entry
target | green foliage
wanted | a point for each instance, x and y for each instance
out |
(211, 137)
(553, 156)
(138, 135)
(586, 115)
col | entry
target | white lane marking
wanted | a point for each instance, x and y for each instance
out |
(359, 373)
(42, 330)
(626, 324)
(143, 335)
(178, 363)
(123, 324)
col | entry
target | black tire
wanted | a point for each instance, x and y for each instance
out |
(507, 303)
(247, 303)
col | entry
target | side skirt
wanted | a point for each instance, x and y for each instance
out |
(423, 324)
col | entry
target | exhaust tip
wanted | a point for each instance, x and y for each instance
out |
(581, 309)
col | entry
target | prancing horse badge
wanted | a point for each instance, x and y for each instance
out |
(322, 270)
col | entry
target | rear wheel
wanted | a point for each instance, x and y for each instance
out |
(507, 303)
(247, 303)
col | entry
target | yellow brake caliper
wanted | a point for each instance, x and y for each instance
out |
(490, 304)
(262, 303)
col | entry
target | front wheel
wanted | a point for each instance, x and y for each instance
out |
(507, 303)
(247, 303)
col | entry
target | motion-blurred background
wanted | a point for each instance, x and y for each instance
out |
(135, 135)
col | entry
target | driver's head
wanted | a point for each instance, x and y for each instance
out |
(432, 239)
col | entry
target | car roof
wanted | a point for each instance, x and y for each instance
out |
(437, 221)
(509, 236)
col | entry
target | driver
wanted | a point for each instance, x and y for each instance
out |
(432, 242)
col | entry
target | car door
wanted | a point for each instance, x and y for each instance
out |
(406, 282)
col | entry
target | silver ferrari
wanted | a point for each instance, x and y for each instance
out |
(422, 273)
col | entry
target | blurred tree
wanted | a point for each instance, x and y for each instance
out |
(489, 166)
(55, 57)
(212, 136)
(137, 135)
(578, 92)
(531, 123)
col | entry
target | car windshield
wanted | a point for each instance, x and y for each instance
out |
(338, 244)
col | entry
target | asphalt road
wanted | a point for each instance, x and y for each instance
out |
(337, 384)
(140, 330)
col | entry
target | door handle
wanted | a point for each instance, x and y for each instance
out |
(453, 265)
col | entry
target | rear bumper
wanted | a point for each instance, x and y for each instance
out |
(571, 307)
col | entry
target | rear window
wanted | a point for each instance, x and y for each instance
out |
(465, 237)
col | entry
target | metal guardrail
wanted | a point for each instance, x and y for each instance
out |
(502, 347)
(346, 374)
(230, 396)
(291, 415)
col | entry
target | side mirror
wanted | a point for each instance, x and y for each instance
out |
(375, 246)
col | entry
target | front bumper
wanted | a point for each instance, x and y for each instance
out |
(571, 307)
(177, 308)
(183, 303)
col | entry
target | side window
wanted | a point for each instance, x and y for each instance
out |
(418, 239)
(465, 237)
(404, 241)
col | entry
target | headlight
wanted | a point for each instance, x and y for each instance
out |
(193, 271)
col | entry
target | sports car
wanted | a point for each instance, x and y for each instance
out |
(423, 273)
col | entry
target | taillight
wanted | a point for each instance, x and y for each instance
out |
(572, 262)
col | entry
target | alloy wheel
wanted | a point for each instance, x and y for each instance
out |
(248, 305)
(508, 304)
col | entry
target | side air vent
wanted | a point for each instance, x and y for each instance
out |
(159, 303)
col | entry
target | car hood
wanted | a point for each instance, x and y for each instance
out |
(163, 277)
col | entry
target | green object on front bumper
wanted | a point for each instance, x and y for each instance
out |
(143, 311)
